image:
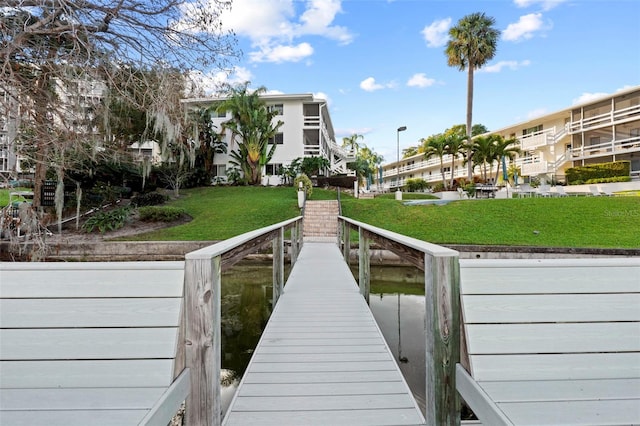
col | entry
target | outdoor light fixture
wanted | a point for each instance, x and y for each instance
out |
(399, 192)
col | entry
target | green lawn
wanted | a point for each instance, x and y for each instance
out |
(614, 222)
(550, 222)
(4, 195)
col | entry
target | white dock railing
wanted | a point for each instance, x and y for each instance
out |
(442, 302)
(200, 328)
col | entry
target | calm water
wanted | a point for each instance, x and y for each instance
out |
(395, 301)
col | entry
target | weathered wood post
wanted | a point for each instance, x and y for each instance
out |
(442, 300)
(202, 338)
(278, 265)
(346, 236)
(364, 261)
(294, 243)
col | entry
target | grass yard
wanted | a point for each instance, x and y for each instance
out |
(612, 222)
(609, 222)
(4, 195)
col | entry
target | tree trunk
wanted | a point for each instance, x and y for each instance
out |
(469, 118)
(255, 173)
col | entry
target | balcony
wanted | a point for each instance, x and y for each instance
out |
(605, 119)
(613, 147)
(533, 166)
(534, 140)
(311, 121)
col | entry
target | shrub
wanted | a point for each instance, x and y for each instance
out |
(148, 199)
(306, 184)
(160, 213)
(610, 180)
(416, 184)
(438, 187)
(107, 220)
(597, 172)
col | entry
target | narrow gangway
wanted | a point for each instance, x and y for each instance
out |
(322, 359)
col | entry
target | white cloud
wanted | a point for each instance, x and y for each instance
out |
(260, 20)
(369, 85)
(420, 80)
(282, 53)
(536, 113)
(588, 97)
(322, 95)
(212, 82)
(345, 133)
(512, 65)
(317, 20)
(274, 25)
(525, 28)
(436, 34)
(545, 4)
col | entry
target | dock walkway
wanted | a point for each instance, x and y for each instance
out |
(322, 359)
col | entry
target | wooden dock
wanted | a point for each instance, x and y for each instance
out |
(322, 359)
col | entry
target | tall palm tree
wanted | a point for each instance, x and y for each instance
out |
(473, 43)
(436, 146)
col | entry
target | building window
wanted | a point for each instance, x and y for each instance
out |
(273, 169)
(278, 108)
(220, 170)
(531, 130)
(278, 139)
(218, 114)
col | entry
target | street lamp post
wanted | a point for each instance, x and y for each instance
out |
(399, 192)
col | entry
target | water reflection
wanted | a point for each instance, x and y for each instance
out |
(397, 303)
(401, 320)
(245, 309)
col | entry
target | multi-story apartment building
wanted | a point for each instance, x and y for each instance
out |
(8, 132)
(307, 131)
(599, 131)
(78, 101)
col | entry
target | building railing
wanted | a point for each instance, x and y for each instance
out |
(538, 139)
(442, 302)
(311, 121)
(200, 333)
(423, 164)
(608, 118)
(605, 148)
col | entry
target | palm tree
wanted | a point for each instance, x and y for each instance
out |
(252, 122)
(483, 153)
(456, 141)
(436, 146)
(410, 151)
(351, 142)
(505, 148)
(473, 43)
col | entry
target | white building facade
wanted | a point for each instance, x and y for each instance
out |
(600, 131)
(307, 131)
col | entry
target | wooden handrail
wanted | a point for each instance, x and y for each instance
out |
(199, 336)
(442, 301)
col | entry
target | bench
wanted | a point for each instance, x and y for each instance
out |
(551, 341)
(85, 343)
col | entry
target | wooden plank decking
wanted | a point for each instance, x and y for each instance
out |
(322, 359)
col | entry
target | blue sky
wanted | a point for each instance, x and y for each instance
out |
(381, 63)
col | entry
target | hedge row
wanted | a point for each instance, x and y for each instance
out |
(598, 172)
